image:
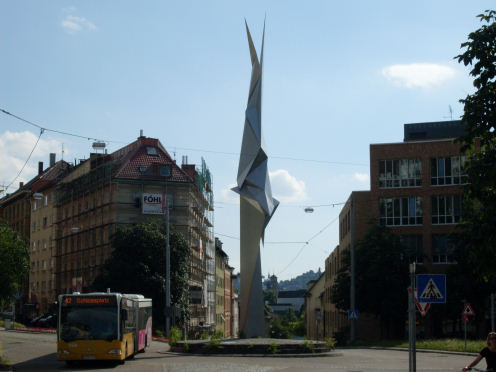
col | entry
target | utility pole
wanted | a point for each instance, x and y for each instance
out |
(167, 272)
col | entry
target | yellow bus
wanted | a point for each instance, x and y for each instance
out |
(103, 326)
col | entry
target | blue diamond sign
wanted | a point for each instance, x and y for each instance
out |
(431, 288)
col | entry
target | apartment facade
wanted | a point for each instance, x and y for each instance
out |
(416, 189)
(121, 188)
(220, 284)
(314, 309)
(42, 237)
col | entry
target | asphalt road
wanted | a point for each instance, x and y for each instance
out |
(37, 352)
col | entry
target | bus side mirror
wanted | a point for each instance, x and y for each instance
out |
(123, 315)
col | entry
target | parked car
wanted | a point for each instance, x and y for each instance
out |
(33, 322)
(49, 321)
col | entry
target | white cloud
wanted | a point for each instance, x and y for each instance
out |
(362, 177)
(229, 196)
(14, 150)
(418, 75)
(72, 24)
(286, 188)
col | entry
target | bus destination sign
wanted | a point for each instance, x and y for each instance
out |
(89, 301)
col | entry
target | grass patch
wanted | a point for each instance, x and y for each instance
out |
(447, 344)
(4, 362)
(20, 325)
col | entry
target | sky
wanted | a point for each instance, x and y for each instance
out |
(338, 76)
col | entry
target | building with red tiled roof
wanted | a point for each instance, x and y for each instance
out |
(108, 190)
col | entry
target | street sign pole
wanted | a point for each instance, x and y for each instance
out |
(411, 321)
(465, 331)
(492, 312)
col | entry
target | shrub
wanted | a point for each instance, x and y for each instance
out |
(273, 348)
(175, 336)
(330, 342)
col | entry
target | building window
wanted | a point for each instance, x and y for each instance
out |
(165, 171)
(414, 244)
(34, 205)
(45, 222)
(400, 211)
(450, 170)
(142, 169)
(442, 249)
(446, 209)
(400, 173)
(151, 150)
(46, 200)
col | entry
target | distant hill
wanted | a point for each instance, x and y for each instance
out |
(300, 282)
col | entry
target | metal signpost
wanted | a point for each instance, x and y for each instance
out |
(467, 311)
(412, 362)
(492, 311)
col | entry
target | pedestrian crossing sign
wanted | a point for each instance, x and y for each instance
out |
(468, 310)
(431, 288)
(353, 314)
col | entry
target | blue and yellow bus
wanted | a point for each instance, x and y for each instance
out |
(103, 326)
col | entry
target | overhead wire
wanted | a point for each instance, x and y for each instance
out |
(176, 147)
(29, 157)
(236, 238)
(307, 243)
(54, 130)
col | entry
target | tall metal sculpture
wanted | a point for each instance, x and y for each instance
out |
(256, 202)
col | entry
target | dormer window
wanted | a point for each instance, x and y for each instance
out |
(165, 171)
(151, 150)
(142, 169)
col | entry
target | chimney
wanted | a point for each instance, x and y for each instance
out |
(52, 159)
(185, 160)
(40, 167)
(21, 184)
(141, 133)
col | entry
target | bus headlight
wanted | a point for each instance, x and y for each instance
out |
(115, 351)
(65, 352)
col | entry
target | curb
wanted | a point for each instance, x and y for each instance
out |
(432, 351)
(306, 355)
(34, 330)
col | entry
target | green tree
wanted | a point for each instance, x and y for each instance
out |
(381, 285)
(14, 263)
(137, 265)
(270, 296)
(477, 228)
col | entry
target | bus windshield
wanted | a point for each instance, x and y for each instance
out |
(88, 323)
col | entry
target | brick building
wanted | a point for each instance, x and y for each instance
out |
(416, 190)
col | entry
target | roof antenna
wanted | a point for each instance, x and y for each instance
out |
(451, 113)
(62, 151)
